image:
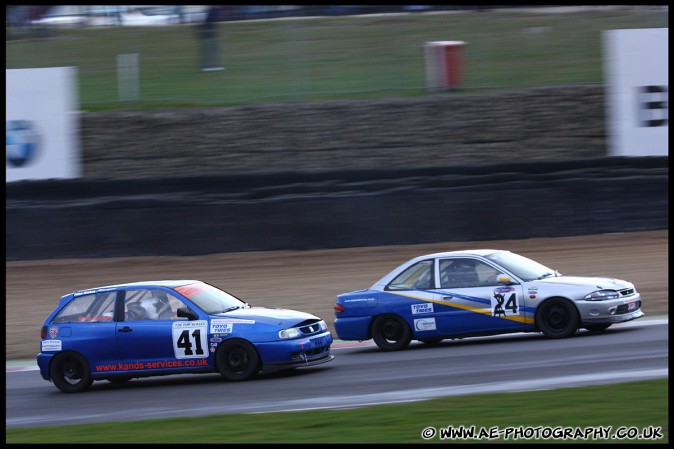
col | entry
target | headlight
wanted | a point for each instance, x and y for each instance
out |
(602, 295)
(294, 332)
(289, 333)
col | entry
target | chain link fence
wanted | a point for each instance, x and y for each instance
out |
(256, 54)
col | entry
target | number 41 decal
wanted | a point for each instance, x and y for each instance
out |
(504, 302)
(189, 339)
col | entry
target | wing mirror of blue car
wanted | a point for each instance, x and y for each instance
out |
(186, 312)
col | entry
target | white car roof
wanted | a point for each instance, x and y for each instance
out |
(472, 252)
(149, 284)
(469, 252)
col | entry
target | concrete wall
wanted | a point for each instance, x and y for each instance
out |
(442, 130)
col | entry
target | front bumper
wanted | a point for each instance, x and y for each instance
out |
(615, 318)
(274, 366)
(610, 312)
(308, 351)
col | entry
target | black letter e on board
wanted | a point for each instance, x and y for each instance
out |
(652, 104)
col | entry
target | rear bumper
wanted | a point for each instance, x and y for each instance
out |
(353, 328)
(43, 361)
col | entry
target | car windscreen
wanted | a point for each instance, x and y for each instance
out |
(210, 299)
(522, 267)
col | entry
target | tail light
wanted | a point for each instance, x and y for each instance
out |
(43, 332)
(339, 308)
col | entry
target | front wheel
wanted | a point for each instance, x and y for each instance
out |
(557, 318)
(391, 333)
(237, 360)
(70, 372)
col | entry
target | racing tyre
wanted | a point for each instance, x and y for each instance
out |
(557, 318)
(237, 360)
(391, 333)
(70, 372)
(597, 327)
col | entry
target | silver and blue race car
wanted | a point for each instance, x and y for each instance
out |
(480, 292)
(124, 331)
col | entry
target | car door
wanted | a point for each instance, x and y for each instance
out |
(149, 341)
(85, 325)
(474, 300)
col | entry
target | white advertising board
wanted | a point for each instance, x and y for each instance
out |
(637, 74)
(42, 124)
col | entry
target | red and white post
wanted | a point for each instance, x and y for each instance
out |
(444, 64)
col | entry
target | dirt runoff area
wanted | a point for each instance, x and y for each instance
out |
(310, 280)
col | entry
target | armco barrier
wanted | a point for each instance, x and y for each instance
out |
(200, 215)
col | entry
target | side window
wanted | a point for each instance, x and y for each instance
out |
(418, 276)
(151, 304)
(92, 307)
(465, 273)
(486, 274)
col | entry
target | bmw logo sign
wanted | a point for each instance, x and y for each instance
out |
(23, 143)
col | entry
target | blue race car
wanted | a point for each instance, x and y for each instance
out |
(124, 331)
(481, 292)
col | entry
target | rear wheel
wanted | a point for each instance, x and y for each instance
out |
(237, 360)
(597, 327)
(391, 333)
(70, 372)
(557, 318)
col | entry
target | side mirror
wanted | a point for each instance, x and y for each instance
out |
(186, 312)
(503, 279)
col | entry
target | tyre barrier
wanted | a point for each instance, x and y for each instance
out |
(187, 216)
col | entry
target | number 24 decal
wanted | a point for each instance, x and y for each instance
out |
(504, 304)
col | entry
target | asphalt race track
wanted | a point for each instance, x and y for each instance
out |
(361, 375)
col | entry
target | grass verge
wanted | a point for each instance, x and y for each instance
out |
(591, 414)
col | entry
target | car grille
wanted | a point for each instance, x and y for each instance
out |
(626, 292)
(316, 351)
(623, 308)
(309, 327)
(311, 354)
